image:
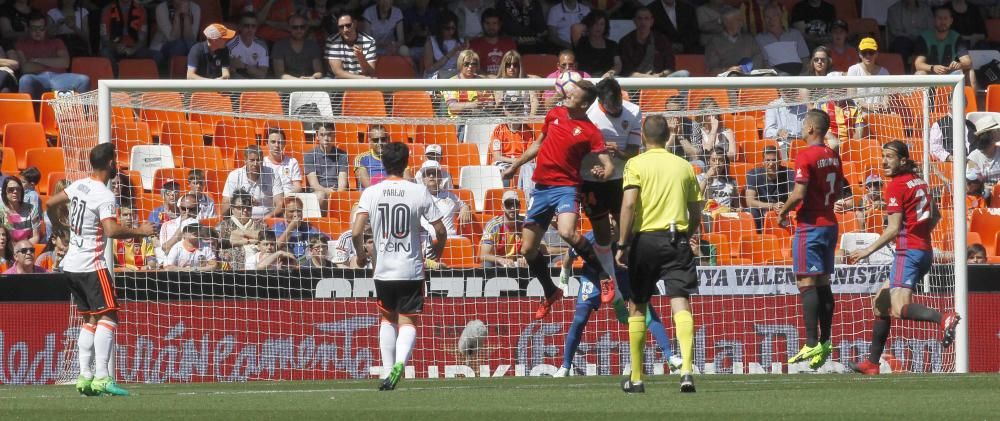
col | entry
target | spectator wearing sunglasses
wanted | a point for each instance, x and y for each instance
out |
(170, 231)
(350, 53)
(24, 259)
(298, 56)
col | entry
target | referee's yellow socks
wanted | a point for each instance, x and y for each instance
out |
(684, 324)
(637, 342)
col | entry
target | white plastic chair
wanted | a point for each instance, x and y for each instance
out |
(310, 205)
(480, 134)
(321, 99)
(147, 159)
(479, 179)
(851, 241)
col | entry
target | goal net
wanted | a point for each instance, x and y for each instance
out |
(254, 316)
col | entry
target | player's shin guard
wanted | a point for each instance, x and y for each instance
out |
(880, 333)
(810, 313)
(104, 339)
(85, 345)
(585, 250)
(920, 312)
(580, 318)
(404, 342)
(539, 268)
(387, 346)
(684, 324)
(637, 342)
(827, 304)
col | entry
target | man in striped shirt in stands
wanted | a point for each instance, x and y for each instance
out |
(351, 54)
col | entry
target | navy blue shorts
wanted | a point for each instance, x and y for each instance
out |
(814, 249)
(909, 267)
(547, 201)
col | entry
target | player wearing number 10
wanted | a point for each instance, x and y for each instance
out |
(395, 207)
(92, 219)
(912, 217)
(819, 181)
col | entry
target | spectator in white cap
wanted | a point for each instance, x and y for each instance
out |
(433, 153)
(986, 156)
(210, 59)
(447, 202)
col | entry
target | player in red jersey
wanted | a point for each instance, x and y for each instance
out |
(567, 136)
(819, 182)
(912, 216)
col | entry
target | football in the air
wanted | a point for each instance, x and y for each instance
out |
(472, 337)
(567, 82)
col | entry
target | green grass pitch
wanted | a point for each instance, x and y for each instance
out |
(748, 397)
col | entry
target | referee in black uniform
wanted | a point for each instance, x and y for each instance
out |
(661, 208)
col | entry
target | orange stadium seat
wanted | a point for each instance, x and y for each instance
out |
(739, 170)
(96, 68)
(48, 184)
(987, 224)
(762, 249)
(727, 250)
(734, 225)
(744, 127)
(756, 98)
(993, 97)
(875, 221)
(16, 108)
(205, 157)
(863, 151)
(539, 64)
(295, 132)
(458, 155)
(177, 134)
(9, 163)
(341, 204)
(146, 202)
(215, 180)
(474, 231)
(412, 104)
(264, 103)
(234, 135)
(886, 127)
(23, 136)
(493, 202)
(347, 133)
(178, 66)
(892, 62)
(363, 103)
(403, 133)
(126, 134)
(772, 226)
(48, 116)
(693, 63)
(752, 152)
(207, 109)
(330, 226)
(459, 253)
(138, 68)
(48, 161)
(395, 67)
(655, 100)
(696, 96)
(154, 106)
(436, 134)
(466, 196)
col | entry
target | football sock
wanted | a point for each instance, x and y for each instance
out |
(404, 342)
(810, 311)
(636, 342)
(387, 345)
(585, 250)
(621, 310)
(85, 344)
(607, 260)
(580, 318)
(920, 312)
(880, 332)
(684, 324)
(104, 338)
(655, 326)
(827, 304)
(539, 268)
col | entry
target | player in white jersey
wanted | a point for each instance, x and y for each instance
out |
(395, 208)
(619, 122)
(92, 221)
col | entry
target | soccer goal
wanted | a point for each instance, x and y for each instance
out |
(247, 319)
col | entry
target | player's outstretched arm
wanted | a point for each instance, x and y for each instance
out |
(892, 229)
(526, 157)
(798, 193)
(120, 232)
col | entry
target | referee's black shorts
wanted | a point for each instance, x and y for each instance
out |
(93, 292)
(656, 262)
(599, 198)
(400, 297)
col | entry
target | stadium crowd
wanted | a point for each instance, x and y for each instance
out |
(265, 213)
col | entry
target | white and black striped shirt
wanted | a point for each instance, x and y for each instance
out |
(336, 48)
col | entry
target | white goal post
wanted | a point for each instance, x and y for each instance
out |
(107, 89)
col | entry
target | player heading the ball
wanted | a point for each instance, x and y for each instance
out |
(395, 207)
(567, 136)
(912, 215)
